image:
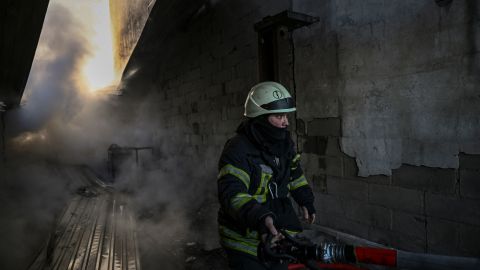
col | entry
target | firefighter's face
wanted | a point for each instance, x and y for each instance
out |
(279, 120)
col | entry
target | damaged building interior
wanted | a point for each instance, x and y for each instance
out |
(113, 163)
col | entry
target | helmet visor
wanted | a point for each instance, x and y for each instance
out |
(286, 103)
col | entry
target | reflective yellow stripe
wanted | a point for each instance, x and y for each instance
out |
(299, 182)
(296, 158)
(252, 234)
(237, 172)
(292, 233)
(251, 238)
(260, 198)
(295, 161)
(238, 246)
(262, 188)
(233, 240)
(240, 199)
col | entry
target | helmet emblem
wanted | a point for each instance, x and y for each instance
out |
(277, 94)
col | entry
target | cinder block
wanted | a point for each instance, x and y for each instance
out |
(425, 178)
(349, 226)
(322, 218)
(469, 161)
(470, 184)
(218, 139)
(409, 224)
(329, 204)
(382, 236)
(442, 236)
(351, 189)
(192, 74)
(396, 240)
(196, 128)
(310, 164)
(379, 179)
(468, 238)
(194, 107)
(222, 76)
(453, 208)
(334, 166)
(333, 147)
(195, 117)
(235, 86)
(396, 198)
(409, 243)
(195, 139)
(318, 183)
(322, 164)
(235, 113)
(301, 127)
(315, 145)
(226, 126)
(214, 91)
(324, 127)
(350, 168)
(371, 215)
(214, 115)
(204, 106)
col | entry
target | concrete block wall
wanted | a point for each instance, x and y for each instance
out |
(353, 70)
(199, 75)
(417, 208)
(401, 76)
(197, 71)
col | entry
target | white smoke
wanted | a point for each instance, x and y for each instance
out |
(62, 122)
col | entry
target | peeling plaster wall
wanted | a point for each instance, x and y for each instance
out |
(389, 91)
(407, 88)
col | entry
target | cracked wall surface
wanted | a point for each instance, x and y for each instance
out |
(404, 79)
(388, 91)
(384, 90)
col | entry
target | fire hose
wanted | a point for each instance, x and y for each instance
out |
(302, 253)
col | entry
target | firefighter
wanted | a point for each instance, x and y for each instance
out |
(258, 170)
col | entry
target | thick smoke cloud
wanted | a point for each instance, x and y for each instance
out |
(63, 123)
(53, 88)
(33, 191)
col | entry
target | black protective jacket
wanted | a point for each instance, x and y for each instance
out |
(254, 183)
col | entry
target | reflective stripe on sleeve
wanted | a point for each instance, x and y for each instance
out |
(251, 238)
(233, 240)
(237, 172)
(299, 182)
(292, 233)
(260, 198)
(295, 161)
(240, 199)
(296, 158)
(238, 246)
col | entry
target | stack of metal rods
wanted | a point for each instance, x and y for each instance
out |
(95, 231)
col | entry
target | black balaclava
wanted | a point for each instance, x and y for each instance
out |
(272, 139)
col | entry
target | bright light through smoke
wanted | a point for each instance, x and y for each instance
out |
(96, 70)
(99, 70)
(74, 57)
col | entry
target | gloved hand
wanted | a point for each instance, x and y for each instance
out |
(3, 106)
